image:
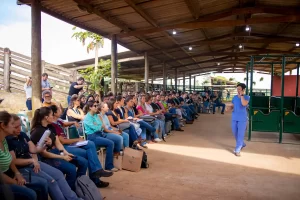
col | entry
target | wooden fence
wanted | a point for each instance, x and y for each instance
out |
(15, 67)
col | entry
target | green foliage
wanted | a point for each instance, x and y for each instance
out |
(82, 36)
(205, 82)
(94, 77)
(220, 80)
(261, 79)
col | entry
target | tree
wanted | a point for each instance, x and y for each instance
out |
(245, 79)
(261, 79)
(205, 82)
(96, 42)
(96, 76)
(231, 79)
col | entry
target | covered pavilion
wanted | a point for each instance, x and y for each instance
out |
(178, 37)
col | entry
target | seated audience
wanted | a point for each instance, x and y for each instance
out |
(24, 152)
(116, 121)
(120, 138)
(217, 102)
(55, 154)
(87, 151)
(12, 177)
(94, 130)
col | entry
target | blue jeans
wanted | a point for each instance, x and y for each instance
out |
(69, 99)
(103, 142)
(57, 185)
(17, 192)
(29, 104)
(188, 112)
(88, 152)
(117, 139)
(238, 130)
(218, 105)
(68, 168)
(132, 134)
(150, 127)
(192, 108)
(162, 127)
(206, 104)
(38, 184)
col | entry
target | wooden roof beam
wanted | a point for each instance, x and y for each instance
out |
(117, 23)
(152, 22)
(217, 41)
(194, 7)
(215, 24)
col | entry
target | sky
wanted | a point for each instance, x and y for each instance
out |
(57, 45)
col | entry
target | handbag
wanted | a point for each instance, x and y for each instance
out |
(148, 119)
(124, 125)
(136, 125)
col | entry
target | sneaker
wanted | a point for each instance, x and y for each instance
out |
(238, 154)
(102, 173)
(222, 113)
(113, 170)
(102, 184)
(157, 140)
(179, 129)
(243, 147)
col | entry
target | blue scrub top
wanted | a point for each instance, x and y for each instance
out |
(239, 112)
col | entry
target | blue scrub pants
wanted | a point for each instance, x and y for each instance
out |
(238, 130)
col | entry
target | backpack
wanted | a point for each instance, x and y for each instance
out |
(144, 163)
(86, 189)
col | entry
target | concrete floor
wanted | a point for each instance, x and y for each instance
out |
(199, 164)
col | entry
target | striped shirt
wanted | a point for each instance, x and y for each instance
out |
(5, 157)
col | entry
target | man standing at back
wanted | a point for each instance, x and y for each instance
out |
(75, 88)
(45, 82)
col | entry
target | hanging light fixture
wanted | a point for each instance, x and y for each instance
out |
(174, 32)
(248, 28)
(297, 44)
(218, 63)
(190, 48)
(240, 46)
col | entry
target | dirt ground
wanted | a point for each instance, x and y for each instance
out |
(199, 164)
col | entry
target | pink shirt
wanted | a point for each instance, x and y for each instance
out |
(142, 109)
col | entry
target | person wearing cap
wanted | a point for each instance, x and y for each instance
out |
(75, 88)
(239, 117)
(28, 92)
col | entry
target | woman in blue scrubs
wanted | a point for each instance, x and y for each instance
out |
(239, 117)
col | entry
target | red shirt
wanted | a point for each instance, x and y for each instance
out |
(59, 129)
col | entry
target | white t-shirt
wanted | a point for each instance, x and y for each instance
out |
(149, 108)
(28, 90)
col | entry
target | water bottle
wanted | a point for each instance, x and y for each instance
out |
(41, 143)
